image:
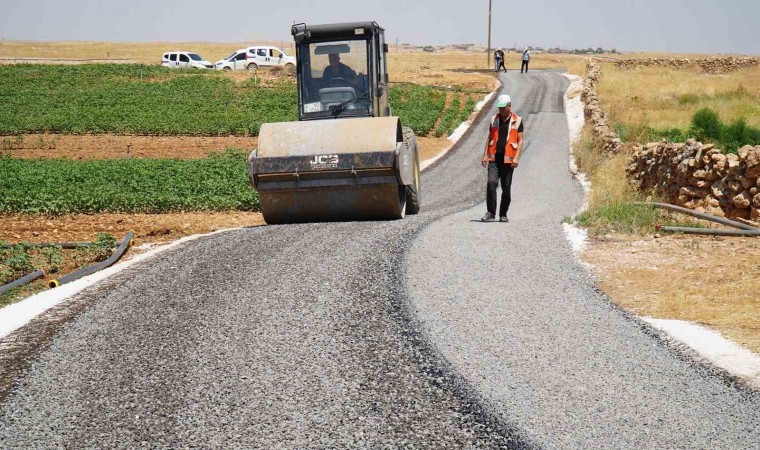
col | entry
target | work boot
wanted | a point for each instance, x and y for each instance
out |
(487, 217)
(504, 219)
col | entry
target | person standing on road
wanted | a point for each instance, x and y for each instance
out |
(499, 58)
(525, 60)
(501, 157)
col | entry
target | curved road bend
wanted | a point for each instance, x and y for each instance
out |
(380, 334)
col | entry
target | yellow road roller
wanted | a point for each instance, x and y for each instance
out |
(347, 157)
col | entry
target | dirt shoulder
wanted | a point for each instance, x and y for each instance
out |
(149, 228)
(712, 281)
(111, 146)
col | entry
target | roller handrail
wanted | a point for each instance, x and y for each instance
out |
(125, 244)
(26, 279)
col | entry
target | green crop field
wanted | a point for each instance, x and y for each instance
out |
(152, 100)
(137, 185)
(137, 99)
(418, 106)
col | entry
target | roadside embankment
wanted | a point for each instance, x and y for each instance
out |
(688, 174)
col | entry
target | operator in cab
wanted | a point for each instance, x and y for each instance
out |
(337, 69)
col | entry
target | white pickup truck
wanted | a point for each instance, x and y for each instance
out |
(256, 57)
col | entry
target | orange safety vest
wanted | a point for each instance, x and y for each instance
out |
(493, 137)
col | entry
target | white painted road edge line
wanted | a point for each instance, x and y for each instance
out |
(712, 346)
(574, 112)
(16, 315)
(458, 132)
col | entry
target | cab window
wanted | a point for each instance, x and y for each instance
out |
(275, 54)
(184, 58)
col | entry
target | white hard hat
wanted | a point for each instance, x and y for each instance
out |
(504, 100)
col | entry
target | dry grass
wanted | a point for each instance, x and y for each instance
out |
(668, 98)
(711, 281)
(142, 52)
(441, 68)
(607, 175)
(459, 67)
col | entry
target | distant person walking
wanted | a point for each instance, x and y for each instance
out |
(525, 60)
(498, 57)
(501, 156)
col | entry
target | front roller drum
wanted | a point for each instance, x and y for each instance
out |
(330, 204)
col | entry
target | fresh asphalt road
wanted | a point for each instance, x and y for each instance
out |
(431, 332)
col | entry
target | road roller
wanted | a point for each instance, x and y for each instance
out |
(347, 157)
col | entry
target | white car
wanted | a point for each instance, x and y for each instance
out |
(184, 60)
(236, 61)
(264, 56)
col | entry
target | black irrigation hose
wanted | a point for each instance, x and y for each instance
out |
(125, 244)
(26, 279)
(712, 231)
(64, 245)
(700, 215)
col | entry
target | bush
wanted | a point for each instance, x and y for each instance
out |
(738, 134)
(705, 125)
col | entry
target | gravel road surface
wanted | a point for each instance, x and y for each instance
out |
(377, 335)
(513, 312)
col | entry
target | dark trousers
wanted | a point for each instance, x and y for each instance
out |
(524, 66)
(501, 65)
(498, 171)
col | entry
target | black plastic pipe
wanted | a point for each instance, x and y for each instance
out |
(125, 244)
(699, 215)
(712, 231)
(65, 245)
(26, 279)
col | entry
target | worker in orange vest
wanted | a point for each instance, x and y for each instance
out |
(502, 156)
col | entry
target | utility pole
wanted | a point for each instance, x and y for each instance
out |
(488, 52)
(396, 45)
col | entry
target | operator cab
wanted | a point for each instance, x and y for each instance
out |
(341, 71)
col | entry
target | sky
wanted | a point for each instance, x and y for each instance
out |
(681, 26)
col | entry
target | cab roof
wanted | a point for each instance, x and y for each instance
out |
(349, 30)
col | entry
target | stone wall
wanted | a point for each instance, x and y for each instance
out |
(688, 174)
(593, 113)
(700, 177)
(713, 65)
